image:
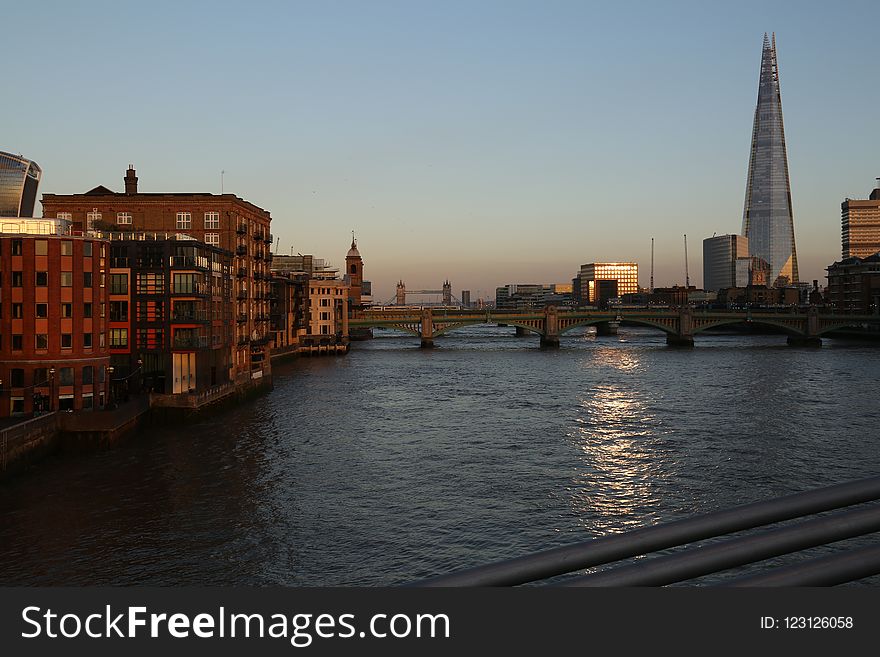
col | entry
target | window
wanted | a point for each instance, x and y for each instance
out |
(119, 311)
(66, 247)
(17, 406)
(87, 249)
(41, 377)
(88, 374)
(184, 220)
(354, 269)
(67, 279)
(16, 247)
(67, 310)
(16, 377)
(42, 278)
(150, 283)
(87, 309)
(16, 343)
(212, 238)
(42, 310)
(92, 218)
(16, 279)
(66, 341)
(212, 221)
(42, 341)
(64, 215)
(65, 376)
(118, 283)
(87, 279)
(17, 311)
(123, 217)
(118, 337)
(87, 340)
(41, 247)
(185, 283)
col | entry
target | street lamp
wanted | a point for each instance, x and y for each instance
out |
(140, 371)
(51, 389)
(110, 387)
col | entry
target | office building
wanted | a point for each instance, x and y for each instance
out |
(860, 225)
(720, 260)
(600, 281)
(19, 179)
(767, 216)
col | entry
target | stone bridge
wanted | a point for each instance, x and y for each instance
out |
(804, 328)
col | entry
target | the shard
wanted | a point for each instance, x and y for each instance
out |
(767, 216)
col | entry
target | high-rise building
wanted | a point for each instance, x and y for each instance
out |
(719, 260)
(860, 225)
(465, 298)
(591, 275)
(767, 217)
(19, 179)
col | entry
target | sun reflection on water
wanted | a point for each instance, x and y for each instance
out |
(624, 465)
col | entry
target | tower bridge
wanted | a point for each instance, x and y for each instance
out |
(803, 328)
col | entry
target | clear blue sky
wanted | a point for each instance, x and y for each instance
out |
(487, 142)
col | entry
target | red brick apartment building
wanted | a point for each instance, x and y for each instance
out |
(221, 220)
(53, 318)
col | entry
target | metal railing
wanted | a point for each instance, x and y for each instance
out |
(703, 560)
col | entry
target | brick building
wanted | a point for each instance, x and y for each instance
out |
(53, 307)
(854, 285)
(221, 220)
(171, 303)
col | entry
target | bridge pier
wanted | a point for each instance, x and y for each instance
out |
(550, 336)
(685, 341)
(804, 341)
(607, 328)
(427, 329)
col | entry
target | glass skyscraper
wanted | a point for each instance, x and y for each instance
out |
(767, 218)
(19, 179)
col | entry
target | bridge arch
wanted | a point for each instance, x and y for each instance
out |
(624, 320)
(854, 324)
(786, 328)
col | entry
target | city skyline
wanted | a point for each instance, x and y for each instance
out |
(433, 126)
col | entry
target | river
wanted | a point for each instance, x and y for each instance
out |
(395, 463)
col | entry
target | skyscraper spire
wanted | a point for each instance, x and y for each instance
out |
(767, 215)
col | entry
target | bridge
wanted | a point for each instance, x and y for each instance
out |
(803, 328)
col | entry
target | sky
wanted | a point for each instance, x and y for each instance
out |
(487, 142)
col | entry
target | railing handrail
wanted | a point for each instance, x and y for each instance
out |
(568, 558)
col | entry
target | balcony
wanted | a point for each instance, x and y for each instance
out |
(258, 235)
(189, 342)
(241, 250)
(189, 316)
(242, 318)
(243, 340)
(189, 262)
(241, 229)
(258, 255)
(119, 263)
(241, 273)
(242, 295)
(258, 275)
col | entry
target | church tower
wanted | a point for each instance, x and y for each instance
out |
(354, 273)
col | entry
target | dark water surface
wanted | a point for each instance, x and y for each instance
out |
(395, 463)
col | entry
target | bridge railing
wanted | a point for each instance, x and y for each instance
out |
(723, 555)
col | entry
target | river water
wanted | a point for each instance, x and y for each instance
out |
(395, 463)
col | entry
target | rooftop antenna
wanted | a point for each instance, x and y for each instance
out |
(687, 278)
(222, 173)
(652, 265)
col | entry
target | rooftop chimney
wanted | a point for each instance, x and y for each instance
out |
(131, 181)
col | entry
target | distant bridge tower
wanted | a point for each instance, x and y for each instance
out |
(401, 294)
(354, 272)
(447, 293)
